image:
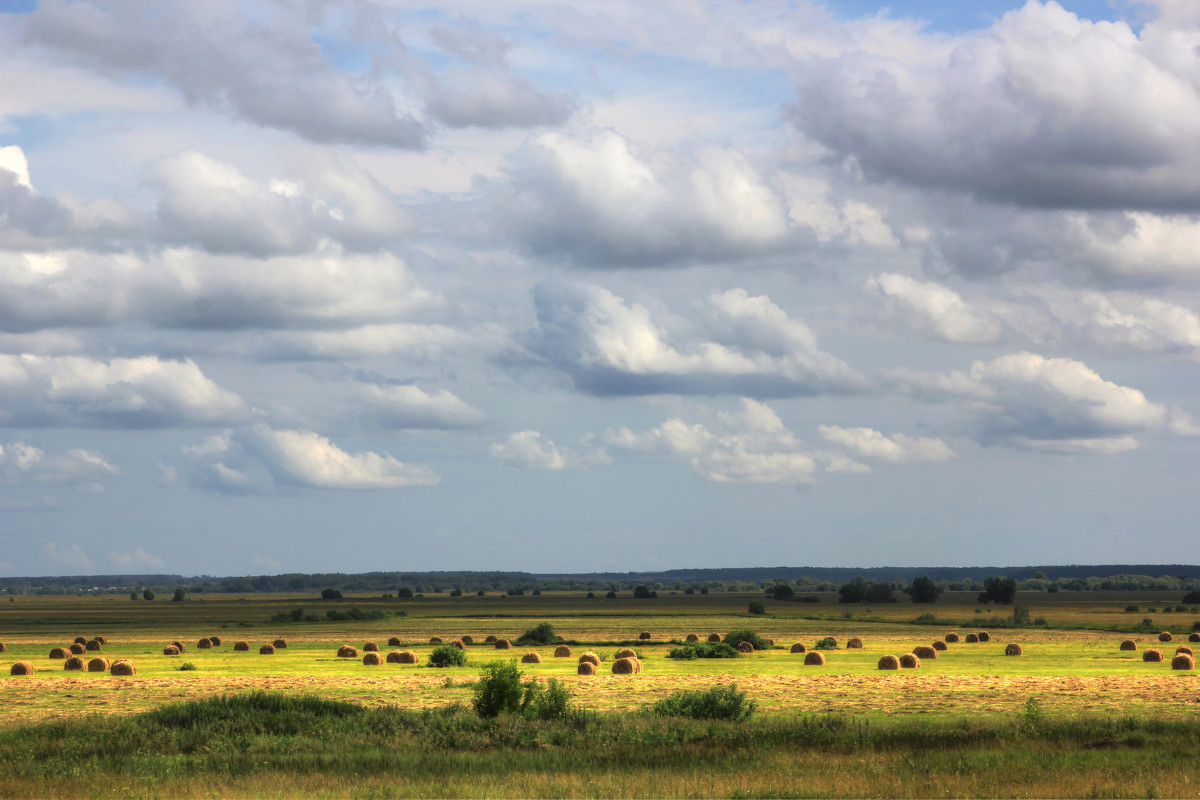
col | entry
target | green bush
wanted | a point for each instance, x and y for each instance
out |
(756, 607)
(447, 656)
(1132, 609)
(498, 690)
(719, 702)
(734, 638)
(187, 666)
(828, 643)
(703, 650)
(553, 702)
(542, 634)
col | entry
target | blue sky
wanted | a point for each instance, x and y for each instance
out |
(597, 286)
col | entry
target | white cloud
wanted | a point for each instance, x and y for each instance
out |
(138, 559)
(21, 462)
(13, 161)
(1149, 326)
(402, 407)
(305, 458)
(895, 449)
(932, 310)
(71, 557)
(528, 450)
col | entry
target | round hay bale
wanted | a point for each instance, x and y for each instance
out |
(409, 657)
(395, 641)
(204, 644)
(93, 646)
(372, 659)
(180, 646)
(1165, 636)
(490, 639)
(503, 644)
(854, 644)
(100, 639)
(909, 661)
(1183, 661)
(940, 645)
(625, 652)
(170, 650)
(889, 662)
(435, 640)
(1013, 650)
(459, 643)
(21, 668)
(562, 651)
(75, 663)
(714, 637)
(267, 650)
(347, 651)
(393, 657)
(691, 637)
(216, 641)
(1152, 654)
(586, 668)
(952, 637)
(1195, 637)
(78, 649)
(1184, 649)
(2, 647)
(590, 658)
(370, 647)
(241, 647)
(1129, 644)
(466, 638)
(80, 640)
(814, 658)
(280, 644)
(745, 647)
(799, 647)
(531, 658)
(60, 652)
(984, 636)
(925, 651)
(122, 667)
(972, 638)
(98, 664)
(644, 635)
(625, 666)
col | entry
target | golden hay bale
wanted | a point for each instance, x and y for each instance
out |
(347, 651)
(745, 647)
(1184, 649)
(122, 667)
(372, 659)
(93, 646)
(1152, 654)
(644, 635)
(280, 644)
(925, 651)
(180, 646)
(562, 651)
(691, 637)
(241, 647)
(1129, 644)
(409, 657)
(626, 666)
(909, 661)
(972, 638)
(590, 658)
(503, 644)
(98, 664)
(2, 647)
(21, 668)
(75, 663)
(170, 650)
(435, 640)
(60, 652)
(799, 647)
(951, 637)
(267, 650)
(1165, 636)
(459, 643)
(531, 658)
(78, 649)
(467, 638)
(889, 662)
(984, 636)
(854, 644)
(814, 658)
(80, 640)
(586, 668)
(1195, 637)
(393, 657)
(216, 641)
(100, 639)
(491, 639)
(370, 647)
(395, 641)
(204, 644)
(1013, 650)
(625, 652)
(1183, 661)
(714, 637)
(940, 645)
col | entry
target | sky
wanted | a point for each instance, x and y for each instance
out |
(597, 286)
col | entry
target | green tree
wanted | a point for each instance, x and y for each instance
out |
(331, 594)
(879, 593)
(783, 592)
(147, 594)
(998, 589)
(180, 592)
(499, 689)
(924, 590)
(756, 607)
(133, 595)
(853, 592)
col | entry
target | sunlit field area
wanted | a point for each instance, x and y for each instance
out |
(1072, 682)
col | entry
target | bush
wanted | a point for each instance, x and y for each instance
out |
(499, 689)
(734, 638)
(553, 702)
(447, 656)
(187, 666)
(783, 592)
(542, 634)
(756, 607)
(704, 650)
(719, 702)
(331, 594)
(1132, 609)
(828, 643)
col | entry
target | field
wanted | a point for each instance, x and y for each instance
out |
(1104, 722)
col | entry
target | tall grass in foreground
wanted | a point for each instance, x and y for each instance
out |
(267, 745)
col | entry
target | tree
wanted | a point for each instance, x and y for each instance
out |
(757, 607)
(179, 594)
(879, 593)
(498, 690)
(331, 594)
(147, 594)
(641, 592)
(783, 592)
(404, 592)
(998, 589)
(853, 592)
(924, 590)
(133, 595)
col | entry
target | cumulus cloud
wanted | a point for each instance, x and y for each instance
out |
(21, 463)
(305, 458)
(146, 392)
(71, 557)
(895, 449)
(1028, 401)
(528, 450)
(407, 406)
(137, 560)
(931, 309)
(611, 348)
(1150, 325)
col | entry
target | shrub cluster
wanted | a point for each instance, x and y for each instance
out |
(703, 650)
(447, 656)
(542, 634)
(500, 691)
(734, 638)
(719, 702)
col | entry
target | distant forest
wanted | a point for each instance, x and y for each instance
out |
(1073, 578)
